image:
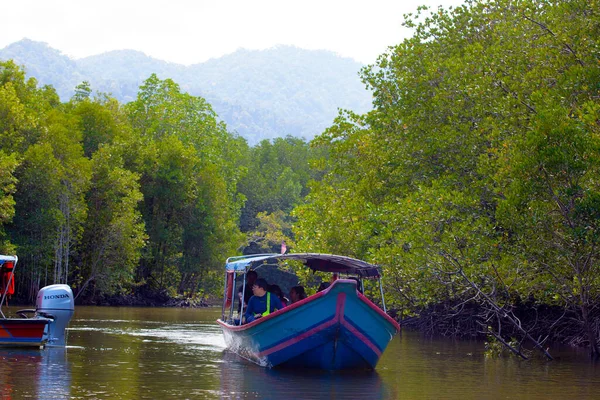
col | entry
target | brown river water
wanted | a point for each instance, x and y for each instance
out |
(164, 353)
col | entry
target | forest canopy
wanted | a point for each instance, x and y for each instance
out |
(108, 197)
(146, 198)
(475, 178)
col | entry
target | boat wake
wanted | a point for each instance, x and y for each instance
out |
(201, 336)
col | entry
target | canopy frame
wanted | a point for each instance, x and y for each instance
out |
(330, 263)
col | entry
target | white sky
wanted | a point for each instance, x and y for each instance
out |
(192, 31)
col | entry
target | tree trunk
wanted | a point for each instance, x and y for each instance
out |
(591, 335)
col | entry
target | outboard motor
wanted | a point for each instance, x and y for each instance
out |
(56, 303)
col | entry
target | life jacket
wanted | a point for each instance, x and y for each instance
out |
(7, 280)
(229, 291)
(268, 305)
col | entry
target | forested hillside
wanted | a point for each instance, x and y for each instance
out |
(259, 94)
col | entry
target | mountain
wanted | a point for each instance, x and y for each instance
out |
(261, 94)
(47, 65)
(121, 72)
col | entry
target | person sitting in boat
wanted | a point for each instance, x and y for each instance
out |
(297, 293)
(262, 303)
(358, 283)
(323, 286)
(251, 277)
(276, 290)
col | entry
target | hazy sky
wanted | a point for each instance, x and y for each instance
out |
(193, 31)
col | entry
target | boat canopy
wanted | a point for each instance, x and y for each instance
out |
(7, 258)
(315, 261)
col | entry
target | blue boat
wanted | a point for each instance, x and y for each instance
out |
(335, 329)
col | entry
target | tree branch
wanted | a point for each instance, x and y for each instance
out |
(544, 27)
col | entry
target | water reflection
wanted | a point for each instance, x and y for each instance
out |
(143, 353)
(241, 379)
(35, 373)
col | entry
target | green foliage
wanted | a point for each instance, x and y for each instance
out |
(107, 197)
(96, 121)
(187, 164)
(480, 158)
(114, 232)
(495, 349)
(37, 213)
(276, 179)
(8, 164)
(273, 229)
(478, 165)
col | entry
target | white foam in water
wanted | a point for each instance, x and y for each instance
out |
(207, 336)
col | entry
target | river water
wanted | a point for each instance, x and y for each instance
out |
(158, 353)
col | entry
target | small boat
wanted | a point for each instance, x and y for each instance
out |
(22, 332)
(335, 329)
(48, 321)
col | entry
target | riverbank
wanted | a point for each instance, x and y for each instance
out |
(157, 299)
(520, 326)
(145, 296)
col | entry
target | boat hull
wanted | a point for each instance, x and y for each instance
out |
(335, 329)
(22, 332)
